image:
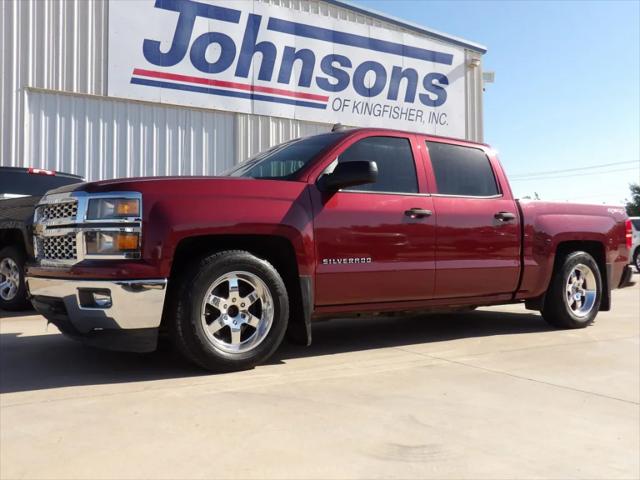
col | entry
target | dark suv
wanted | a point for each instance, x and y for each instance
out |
(20, 191)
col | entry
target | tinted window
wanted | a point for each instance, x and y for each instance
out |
(396, 168)
(284, 160)
(636, 224)
(462, 170)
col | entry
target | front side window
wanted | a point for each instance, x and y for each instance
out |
(462, 171)
(284, 160)
(396, 167)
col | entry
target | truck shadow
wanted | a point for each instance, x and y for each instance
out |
(23, 313)
(35, 362)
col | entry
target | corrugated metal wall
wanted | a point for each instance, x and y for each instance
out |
(325, 9)
(53, 113)
(255, 133)
(99, 137)
(57, 45)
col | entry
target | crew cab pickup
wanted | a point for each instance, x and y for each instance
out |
(352, 221)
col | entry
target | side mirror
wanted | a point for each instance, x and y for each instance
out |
(348, 174)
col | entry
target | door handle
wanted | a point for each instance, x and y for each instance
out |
(504, 216)
(418, 213)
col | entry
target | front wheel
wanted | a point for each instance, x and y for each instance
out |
(232, 311)
(575, 292)
(13, 291)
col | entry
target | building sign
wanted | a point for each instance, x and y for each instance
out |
(249, 57)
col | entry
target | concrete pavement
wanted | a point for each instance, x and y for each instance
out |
(490, 394)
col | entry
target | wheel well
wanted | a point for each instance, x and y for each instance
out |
(276, 250)
(11, 236)
(596, 250)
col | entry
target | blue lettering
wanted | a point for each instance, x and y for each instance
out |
(250, 48)
(335, 68)
(199, 50)
(290, 55)
(429, 84)
(397, 74)
(188, 11)
(361, 72)
(341, 77)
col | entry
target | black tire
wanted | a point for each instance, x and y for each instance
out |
(556, 310)
(636, 259)
(18, 301)
(187, 330)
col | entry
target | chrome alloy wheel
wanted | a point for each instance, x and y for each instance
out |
(237, 312)
(581, 290)
(9, 279)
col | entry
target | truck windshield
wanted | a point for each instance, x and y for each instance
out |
(285, 160)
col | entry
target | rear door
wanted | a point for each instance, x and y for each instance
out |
(369, 246)
(478, 231)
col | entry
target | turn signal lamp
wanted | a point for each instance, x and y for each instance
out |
(112, 243)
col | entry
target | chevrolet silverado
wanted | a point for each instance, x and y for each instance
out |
(352, 221)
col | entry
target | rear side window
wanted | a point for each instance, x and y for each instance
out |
(636, 224)
(396, 167)
(462, 171)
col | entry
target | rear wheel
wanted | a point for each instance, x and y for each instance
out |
(636, 259)
(575, 292)
(13, 291)
(232, 311)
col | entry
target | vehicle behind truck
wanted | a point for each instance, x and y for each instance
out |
(633, 242)
(20, 191)
(348, 222)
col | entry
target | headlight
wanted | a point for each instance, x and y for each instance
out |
(112, 243)
(113, 208)
(113, 228)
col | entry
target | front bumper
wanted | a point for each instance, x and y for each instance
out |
(116, 315)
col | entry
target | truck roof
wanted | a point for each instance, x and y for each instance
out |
(19, 181)
(428, 135)
(36, 171)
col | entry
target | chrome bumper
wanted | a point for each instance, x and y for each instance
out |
(124, 304)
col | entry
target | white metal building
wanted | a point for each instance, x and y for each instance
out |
(67, 102)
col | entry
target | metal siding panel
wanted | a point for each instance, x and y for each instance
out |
(58, 45)
(255, 133)
(102, 138)
(325, 9)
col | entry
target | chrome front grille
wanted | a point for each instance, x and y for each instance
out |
(61, 225)
(58, 248)
(58, 211)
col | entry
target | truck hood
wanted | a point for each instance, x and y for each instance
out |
(191, 186)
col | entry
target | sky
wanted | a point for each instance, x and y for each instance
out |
(566, 97)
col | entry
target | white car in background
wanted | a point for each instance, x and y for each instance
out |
(635, 242)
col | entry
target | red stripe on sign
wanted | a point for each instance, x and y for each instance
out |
(222, 83)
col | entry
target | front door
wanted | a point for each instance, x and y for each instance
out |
(375, 242)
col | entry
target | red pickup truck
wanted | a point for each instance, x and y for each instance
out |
(352, 221)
